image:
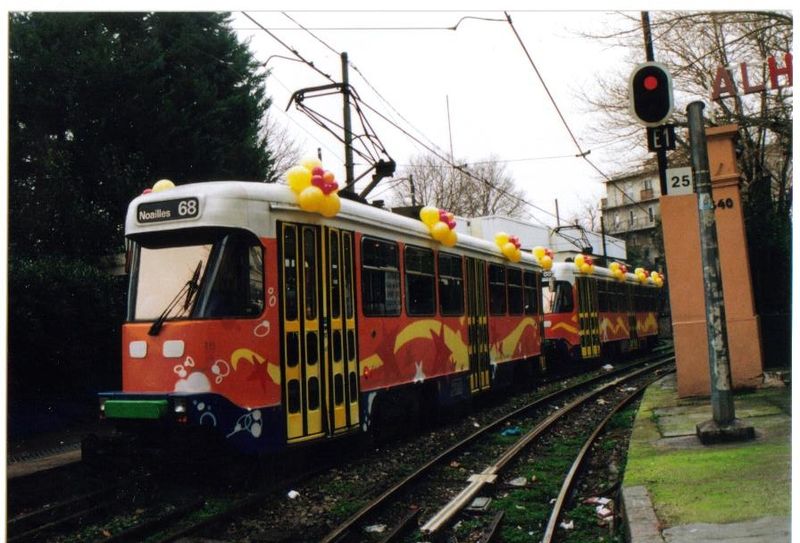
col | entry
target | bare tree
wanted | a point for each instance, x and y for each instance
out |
(472, 190)
(587, 215)
(283, 150)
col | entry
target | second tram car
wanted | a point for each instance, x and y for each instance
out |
(267, 326)
(589, 315)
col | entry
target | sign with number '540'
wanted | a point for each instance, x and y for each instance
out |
(679, 181)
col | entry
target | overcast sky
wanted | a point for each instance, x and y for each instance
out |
(410, 64)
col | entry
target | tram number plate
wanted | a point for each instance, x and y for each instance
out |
(167, 210)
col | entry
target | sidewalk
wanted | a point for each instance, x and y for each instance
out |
(678, 490)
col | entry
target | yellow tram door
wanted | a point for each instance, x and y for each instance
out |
(631, 305)
(340, 331)
(301, 345)
(477, 326)
(588, 317)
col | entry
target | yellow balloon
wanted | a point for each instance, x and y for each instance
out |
(163, 184)
(586, 268)
(450, 239)
(579, 261)
(508, 249)
(310, 199)
(539, 252)
(310, 163)
(439, 231)
(614, 266)
(546, 262)
(330, 205)
(429, 216)
(501, 238)
(298, 178)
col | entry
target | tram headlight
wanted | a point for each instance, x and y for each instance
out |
(180, 406)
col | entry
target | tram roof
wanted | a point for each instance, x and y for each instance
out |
(565, 271)
(255, 206)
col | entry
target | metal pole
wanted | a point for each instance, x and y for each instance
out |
(348, 132)
(661, 153)
(413, 194)
(718, 356)
(603, 237)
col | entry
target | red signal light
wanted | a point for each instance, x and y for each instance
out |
(650, 91)
(650, 82)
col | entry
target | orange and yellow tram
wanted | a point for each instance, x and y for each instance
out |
(266, 326)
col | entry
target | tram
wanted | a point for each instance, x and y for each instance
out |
(606, 312)
(256, 323)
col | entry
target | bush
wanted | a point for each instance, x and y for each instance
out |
(64, 319)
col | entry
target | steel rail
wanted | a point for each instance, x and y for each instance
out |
(569, 480)
(488, 475)
(340, 532)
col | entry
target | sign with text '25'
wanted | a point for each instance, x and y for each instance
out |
(679, 181)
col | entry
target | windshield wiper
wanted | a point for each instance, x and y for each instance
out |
(189, 289)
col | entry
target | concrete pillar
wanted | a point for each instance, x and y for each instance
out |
(682, 247)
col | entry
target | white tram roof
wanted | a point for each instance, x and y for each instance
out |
(565, 271)
(255, 207)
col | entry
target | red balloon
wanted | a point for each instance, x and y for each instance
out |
(147, 191)
(443, 215)
(451, 224)
(318, 171)
(317, 180)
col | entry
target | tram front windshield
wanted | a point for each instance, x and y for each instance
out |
(559, 299)
(213, 274)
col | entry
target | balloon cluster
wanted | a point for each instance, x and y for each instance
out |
(657, 279)
(440, 223)
(641, 275)
(161, 184)
(544, 256)
(315, 187)
(509, 246)
(618, 270)
(584, 263)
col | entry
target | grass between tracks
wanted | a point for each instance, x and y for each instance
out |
(690, 483)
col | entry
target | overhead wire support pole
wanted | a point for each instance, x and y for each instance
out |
(348, 132)
(723, 426)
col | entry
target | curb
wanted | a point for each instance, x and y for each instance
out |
(641, 523)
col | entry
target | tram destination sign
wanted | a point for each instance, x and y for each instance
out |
(167, 210)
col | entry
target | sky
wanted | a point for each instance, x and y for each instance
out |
(473, 88)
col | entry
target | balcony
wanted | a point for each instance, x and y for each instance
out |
(646, 194)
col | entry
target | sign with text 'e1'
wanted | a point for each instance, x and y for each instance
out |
(679, 181)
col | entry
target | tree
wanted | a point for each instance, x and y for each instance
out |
(104, 104)
(283, 150)
(101, 106)
(475, 190)
(699, 47)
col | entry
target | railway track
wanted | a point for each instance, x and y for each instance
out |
(429, 483)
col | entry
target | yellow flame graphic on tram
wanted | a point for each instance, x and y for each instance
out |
(253, 357)
(508, 346)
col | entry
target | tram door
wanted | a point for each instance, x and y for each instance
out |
(318, 348)
(477, 326)
(588, 317)
(631, 304)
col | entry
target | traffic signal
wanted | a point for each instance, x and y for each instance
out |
(650, 89)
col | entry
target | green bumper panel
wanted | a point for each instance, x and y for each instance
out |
(135, 409)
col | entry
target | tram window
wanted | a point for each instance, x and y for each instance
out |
(451, 284)
(380, 278)
(497, 289)
(347, 274)
(420, 281)
(531, 291)
(290, 272)
(602, 296)
(238, 284)
(310, 273)
(562, 298)
(516, 301)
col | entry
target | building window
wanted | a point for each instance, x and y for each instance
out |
(648, 184)
(650, 214)
(630, 218)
